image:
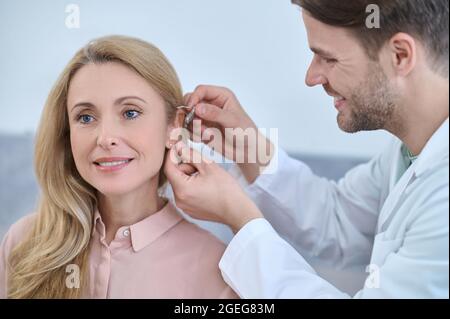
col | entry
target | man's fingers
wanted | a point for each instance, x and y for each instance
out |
(192, 157)
(209, 93)
(175, 170)
(215, 114)
(197, 132)
(186, 98)
(187, 169)
(171, 168)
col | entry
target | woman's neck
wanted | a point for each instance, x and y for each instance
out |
(128, 209)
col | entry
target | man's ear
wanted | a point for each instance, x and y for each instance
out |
(403, 53)
(175, 129)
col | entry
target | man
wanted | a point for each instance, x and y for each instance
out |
(391, 213)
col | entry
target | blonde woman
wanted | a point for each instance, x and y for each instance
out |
(101, 230)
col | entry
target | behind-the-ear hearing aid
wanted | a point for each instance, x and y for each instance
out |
(182, 120)
(188, 117)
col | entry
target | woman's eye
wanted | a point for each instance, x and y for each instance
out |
(84, 118)
(131, 114)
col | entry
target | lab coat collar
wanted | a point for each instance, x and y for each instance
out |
(434, 151)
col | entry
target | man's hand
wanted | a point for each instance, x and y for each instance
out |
(210, 193)
(220, 111)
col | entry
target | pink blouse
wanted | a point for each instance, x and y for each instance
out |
(162, 256)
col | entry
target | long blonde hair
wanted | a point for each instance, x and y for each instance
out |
(61, 231)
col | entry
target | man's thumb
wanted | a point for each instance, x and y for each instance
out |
(213, 113)
(171, 169)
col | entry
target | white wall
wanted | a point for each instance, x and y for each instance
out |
(258, 48)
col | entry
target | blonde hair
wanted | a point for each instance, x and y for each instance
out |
(61, 231)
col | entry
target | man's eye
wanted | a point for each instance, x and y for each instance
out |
(84, 118)
(131, 114)
(330, 60)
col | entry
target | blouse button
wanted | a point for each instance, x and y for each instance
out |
(126, 232)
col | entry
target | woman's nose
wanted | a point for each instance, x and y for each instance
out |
(107, 137)
(106, 142)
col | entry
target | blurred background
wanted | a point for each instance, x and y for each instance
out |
(258, 48)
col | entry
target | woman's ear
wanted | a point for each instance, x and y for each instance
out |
(175, 129)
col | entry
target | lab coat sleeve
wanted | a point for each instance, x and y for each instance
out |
(259, 264)
(320, 218)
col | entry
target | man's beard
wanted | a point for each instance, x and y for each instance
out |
(371, 105)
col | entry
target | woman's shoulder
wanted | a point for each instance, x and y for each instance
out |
(18, 230)
(202, 251)
(202, 238)
(186, 232)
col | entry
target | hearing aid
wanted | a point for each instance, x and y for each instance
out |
(188, 117)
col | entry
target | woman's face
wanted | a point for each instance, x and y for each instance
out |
(118, 128)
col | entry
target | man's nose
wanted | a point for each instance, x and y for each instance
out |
(315, 75)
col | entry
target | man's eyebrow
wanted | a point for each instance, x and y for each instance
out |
(116, 102)
(321, 52)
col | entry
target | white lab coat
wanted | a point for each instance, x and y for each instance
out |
(398, 227)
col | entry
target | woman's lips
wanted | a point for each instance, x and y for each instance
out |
(112, 166)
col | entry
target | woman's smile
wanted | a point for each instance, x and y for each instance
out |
(111, 164)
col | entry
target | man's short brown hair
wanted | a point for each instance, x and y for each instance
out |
(426, 20)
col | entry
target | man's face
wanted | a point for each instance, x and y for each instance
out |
(362, 93)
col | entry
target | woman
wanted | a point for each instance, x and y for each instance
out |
(101, 229)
